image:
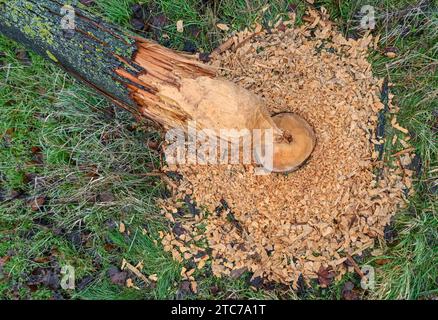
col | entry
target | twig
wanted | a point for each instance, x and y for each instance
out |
(355, 266)
(134, 270)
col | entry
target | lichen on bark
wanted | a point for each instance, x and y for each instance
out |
(91, 51)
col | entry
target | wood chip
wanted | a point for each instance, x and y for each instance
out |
(194, 286)
(180, 26)
(222, 26)
(122, 227)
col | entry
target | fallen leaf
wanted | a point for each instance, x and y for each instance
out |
(23, 57)
(37, 203)
(189, 46)
(3, 260)
(105, 197)
(256, 282)
(348, 292)
(184, 289)
(237, 273)
(154, 145)
(116, 276)
(325, 276)
(381, 262)
(178, 229)
(45, 277)
(159, 21)
(140, 11)
(214, 290)
(201, 264)
(84, 282)
(137, 24)
(37, 155)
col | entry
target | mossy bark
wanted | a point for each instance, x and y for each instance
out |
(91, 52)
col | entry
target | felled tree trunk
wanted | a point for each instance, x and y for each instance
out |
(149, 80)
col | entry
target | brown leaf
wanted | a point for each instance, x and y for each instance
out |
(159, 21)
(105, 197)
(35, 149)
(281, 27)
(37, 203)
(116, 276)
(154, 145)
(178, 229)
(237, 273)
(3, 260)
(214, 290)
(42, 259)
(46, 277)
(325, 276)
(137, 24)
(184, 289)
(23, 57)
(256, 282)
(381, 262)
(348, 292)
(37, 157)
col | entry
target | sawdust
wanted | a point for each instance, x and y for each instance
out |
(281, 226)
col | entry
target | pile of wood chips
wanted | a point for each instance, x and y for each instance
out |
(280, 226)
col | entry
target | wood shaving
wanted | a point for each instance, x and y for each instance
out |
(180, 26)
(222, 26)
(281, 226)
(122, 227)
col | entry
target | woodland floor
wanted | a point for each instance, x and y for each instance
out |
(73, 167)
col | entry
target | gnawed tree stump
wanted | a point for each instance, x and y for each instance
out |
(150, 81)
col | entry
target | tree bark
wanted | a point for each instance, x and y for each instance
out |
(103, 56)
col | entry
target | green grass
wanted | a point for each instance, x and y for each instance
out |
(87, 149)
